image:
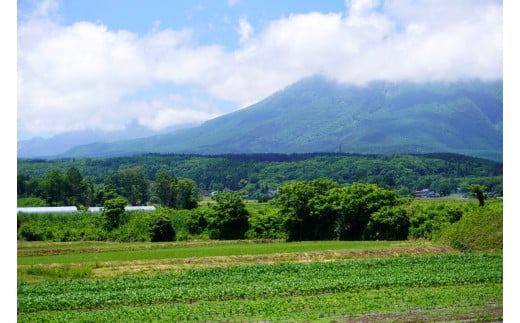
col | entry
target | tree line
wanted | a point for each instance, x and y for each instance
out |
(131, 184)
(302, 210)
(142, 179)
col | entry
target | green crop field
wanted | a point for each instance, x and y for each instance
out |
(248, 281)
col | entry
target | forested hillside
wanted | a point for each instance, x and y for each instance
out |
(260, 174)
(319, 115)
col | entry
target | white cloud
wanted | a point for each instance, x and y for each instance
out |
(245, 30)
(231, 3)
(77, 76)
(72, 77)
(45, 8)
(172, 110)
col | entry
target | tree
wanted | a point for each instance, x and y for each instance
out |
(74, 184)
(389, 223)
(131, 183)
(307, 216)
(163, 183)
(102, 194)
(112, 213)
(161, 228)
(55, 187)
(20, 185)
(87, 192)
(197, 221)
(478, 191)
(230, 217)
(355, 204)
(185, 194)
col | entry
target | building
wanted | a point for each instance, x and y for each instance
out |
(47, 209)
(140, 208)
(96, 209)
(425, 193)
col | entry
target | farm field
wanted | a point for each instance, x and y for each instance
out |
(252, 281)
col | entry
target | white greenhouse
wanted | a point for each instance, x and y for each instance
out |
(95, 209)
(140, 208)
(48, 209)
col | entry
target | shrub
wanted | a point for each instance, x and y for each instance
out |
(267, 224)
(33, 232)
(113, 212)
(31, 202)
(427, 219)
(161, 229)
(230, 217)
(134, 228)
(480, 229)
(197, 221)
(389, 223)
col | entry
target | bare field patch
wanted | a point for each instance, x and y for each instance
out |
(111, 269)
(467, 315)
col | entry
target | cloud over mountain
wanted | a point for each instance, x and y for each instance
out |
(86, 75)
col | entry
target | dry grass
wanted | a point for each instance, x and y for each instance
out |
(112, 269)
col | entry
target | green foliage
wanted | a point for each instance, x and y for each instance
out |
(161, 228)
(263, 281)
(428, 218)
(230, 217)
(197, 222)
(61, 272)
(388, 223)
(480, 229)
(355, 204)
(54, 187)
(32, 232)
(130, 183)
(113, 212)
(479, 192)
(302, 204)
(180, 220)
(134, 227)
(162, 184)
(184, 193)
(258, 173)
(319, 209)
(30, 201)
(266, 224)
(60, 227)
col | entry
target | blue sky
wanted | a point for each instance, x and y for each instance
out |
(102, 65)
(212, 22)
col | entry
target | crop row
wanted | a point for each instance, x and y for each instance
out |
(439, 301)
(261, 282)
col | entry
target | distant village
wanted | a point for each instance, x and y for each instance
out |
(431, 194)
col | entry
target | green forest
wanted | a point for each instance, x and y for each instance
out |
(88, 182)
(267, 196)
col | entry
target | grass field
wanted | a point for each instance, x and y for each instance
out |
(253, 281)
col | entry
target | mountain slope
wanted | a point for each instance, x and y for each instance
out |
(58, 144)
(317, 115)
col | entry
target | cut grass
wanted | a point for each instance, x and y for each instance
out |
(43, 261)
(110, 269)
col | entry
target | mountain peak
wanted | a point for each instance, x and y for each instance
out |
(317, 114)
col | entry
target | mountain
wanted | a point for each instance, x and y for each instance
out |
(59, 144)
(319, 115)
